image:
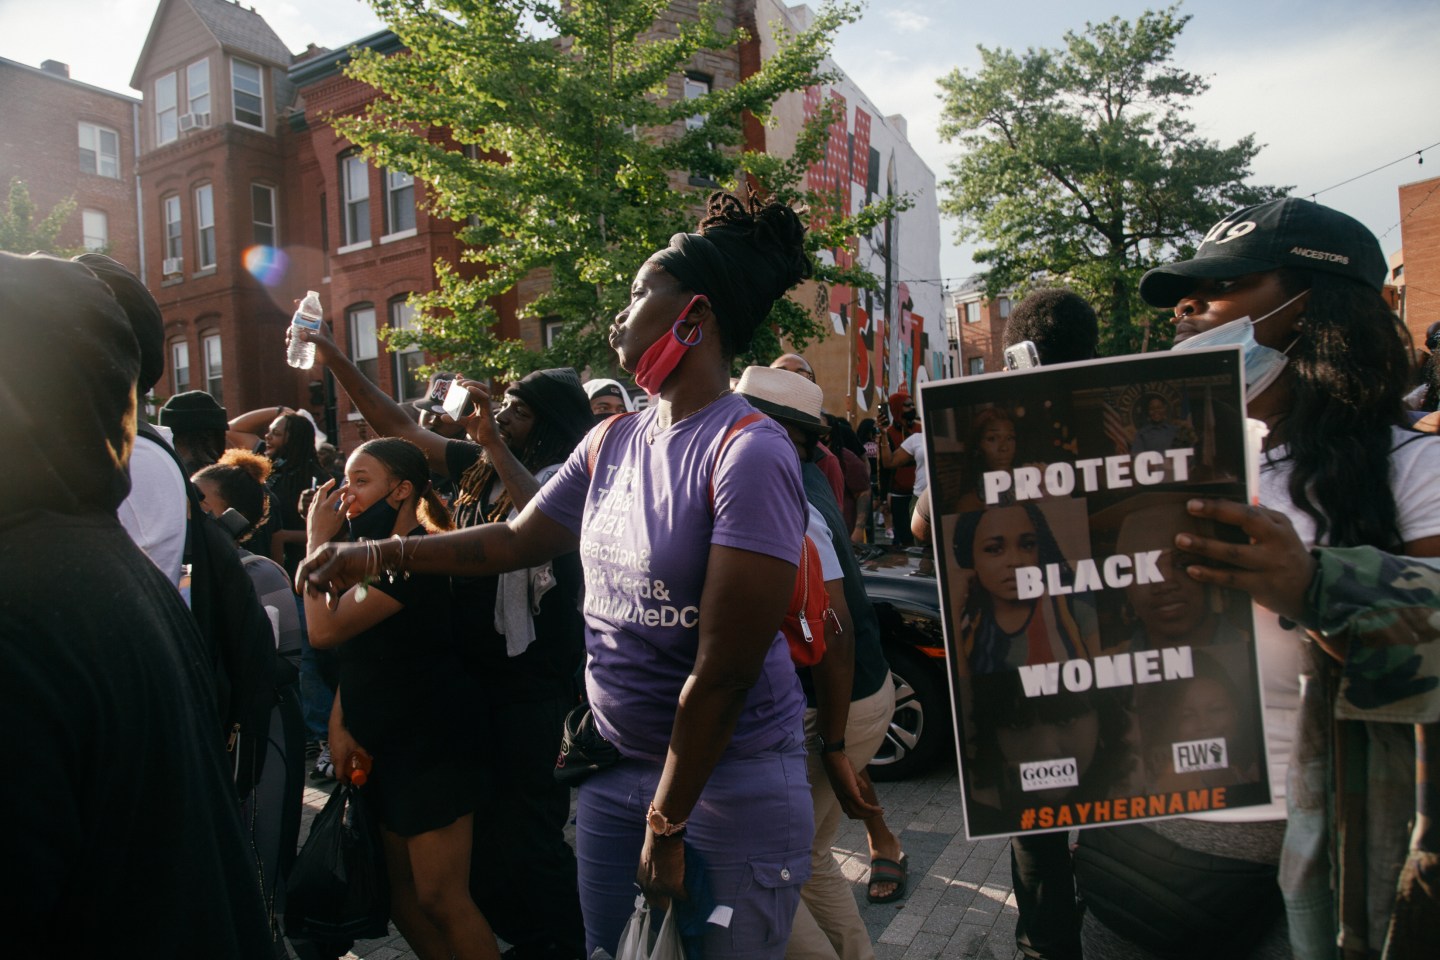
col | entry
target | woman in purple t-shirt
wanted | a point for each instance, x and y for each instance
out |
(689, 536)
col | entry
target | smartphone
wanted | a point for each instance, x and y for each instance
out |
(1022, 356)
(458, 402)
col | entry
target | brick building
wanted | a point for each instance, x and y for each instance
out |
(67, 139)
(981, 323)
(1420, 241)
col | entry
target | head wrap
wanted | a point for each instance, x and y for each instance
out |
(67, 388)
(742, 259)
(140, 307)
(897, 405)
(556, 397)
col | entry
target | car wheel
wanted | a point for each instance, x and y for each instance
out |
(919, 727)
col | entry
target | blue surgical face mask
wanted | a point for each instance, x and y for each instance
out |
(1262, 364)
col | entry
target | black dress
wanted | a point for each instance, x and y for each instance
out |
(412, 705)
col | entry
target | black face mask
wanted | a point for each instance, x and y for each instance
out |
(377, 522)
(909, 416)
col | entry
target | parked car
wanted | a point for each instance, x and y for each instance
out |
(901, 584)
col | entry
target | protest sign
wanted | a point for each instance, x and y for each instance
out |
(1092, 680)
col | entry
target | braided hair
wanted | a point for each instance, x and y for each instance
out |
(744, 256)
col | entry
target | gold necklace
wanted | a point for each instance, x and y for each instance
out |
(654, 424)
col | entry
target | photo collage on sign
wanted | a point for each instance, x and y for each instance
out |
(1094, 681)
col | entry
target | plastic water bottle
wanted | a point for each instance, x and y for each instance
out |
(307, 317)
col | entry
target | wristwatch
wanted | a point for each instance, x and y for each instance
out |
(830, 746)
(661, 824)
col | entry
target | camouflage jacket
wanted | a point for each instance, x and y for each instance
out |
(1362, 845)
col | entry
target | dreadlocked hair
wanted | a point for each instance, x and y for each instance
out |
(240, 477)
(1347, 374)
(405, 461)
(776, 238)
(546, 446)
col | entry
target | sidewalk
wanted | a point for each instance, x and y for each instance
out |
(959, 904)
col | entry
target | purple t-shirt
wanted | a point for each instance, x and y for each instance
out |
(646, 526)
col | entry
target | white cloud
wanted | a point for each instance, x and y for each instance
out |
(909, 21)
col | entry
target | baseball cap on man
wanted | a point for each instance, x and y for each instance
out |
(1281, 233)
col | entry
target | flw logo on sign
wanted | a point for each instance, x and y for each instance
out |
(1049, 774)
(1196, 755)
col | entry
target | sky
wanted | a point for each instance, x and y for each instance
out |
(1331, 88)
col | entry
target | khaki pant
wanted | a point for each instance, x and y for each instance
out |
(828, 924)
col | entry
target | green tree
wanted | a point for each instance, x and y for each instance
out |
(21, 233)
(576, 158)
(1081, 165)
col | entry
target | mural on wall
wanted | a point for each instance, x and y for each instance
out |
(890, 344)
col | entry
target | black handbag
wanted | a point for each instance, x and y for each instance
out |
(583, 749)
(338, 888)
(1173, 901)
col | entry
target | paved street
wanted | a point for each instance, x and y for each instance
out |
(959, 904)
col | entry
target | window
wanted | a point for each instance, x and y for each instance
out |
(355, 182)
(364, 347)
(197, 86)
(179, 366)
(972, 311)
(167, 126)
(246, 94)
(976, 365)
(95, 227)
(399, 201)
(550, 330)
(262, 213)
(205, 226)
(170, 208)
(1004, 305)
(99, 150)
(409, 385)
(213, 370)
(696, 86)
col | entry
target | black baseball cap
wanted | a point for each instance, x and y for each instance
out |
(1268, 236)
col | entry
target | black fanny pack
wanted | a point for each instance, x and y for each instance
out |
(1173, 901)
(583, 749)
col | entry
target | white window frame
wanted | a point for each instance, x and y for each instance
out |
(167, 114)
(205, 227)
(354, 206)
(214, 355)
(975, 366)
(550, 328)
(364, 343)
(256, 223)
(1004, 306)
(94, 230)
(179, 363)
(170, 215)
(402, 317)
(236, 92)
(694, 87)
(92, 142)
(197, 75)
(972, 311)
(399, 199)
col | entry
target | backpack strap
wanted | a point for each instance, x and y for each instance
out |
(735, 428)
(597, 440)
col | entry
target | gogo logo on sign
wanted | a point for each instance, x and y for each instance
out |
(1196, 755)
(1049, 774)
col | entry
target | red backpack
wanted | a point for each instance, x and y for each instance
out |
(805, 620)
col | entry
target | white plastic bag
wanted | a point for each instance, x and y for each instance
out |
(635, 939)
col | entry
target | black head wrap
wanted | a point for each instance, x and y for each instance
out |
(67, 388)
(744, 257)
(556, 397)
(140, 307)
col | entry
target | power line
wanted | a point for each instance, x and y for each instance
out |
(1412, 210)
(1418, 153)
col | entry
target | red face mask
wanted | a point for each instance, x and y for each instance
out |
(664, 355)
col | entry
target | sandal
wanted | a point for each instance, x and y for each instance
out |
(887, 871)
